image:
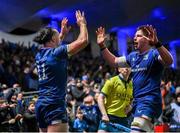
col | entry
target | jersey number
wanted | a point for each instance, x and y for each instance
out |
(42, 72)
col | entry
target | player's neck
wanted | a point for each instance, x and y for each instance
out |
(124, 77)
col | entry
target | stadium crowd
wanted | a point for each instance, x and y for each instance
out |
(86, 77)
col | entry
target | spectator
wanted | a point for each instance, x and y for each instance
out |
(29, 119)
(80, 124)
(91, 114)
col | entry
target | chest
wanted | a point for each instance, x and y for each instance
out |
(142, 62)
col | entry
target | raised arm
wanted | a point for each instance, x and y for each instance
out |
(64, 29)
(165, 56)
(82, 40)
(107, 55)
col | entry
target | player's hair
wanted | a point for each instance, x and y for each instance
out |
(144, 29)
(44, 35)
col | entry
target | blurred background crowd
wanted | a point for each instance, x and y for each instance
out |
(86, 77)
(87, 71)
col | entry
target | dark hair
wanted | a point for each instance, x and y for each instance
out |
(144, 29)
(44, 35)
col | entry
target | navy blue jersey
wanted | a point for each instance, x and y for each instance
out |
(146, 74)
(52, 72)
(92, 115)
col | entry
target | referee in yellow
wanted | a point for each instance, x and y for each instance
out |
(114, 100)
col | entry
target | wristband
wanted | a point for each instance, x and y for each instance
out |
(158, 45)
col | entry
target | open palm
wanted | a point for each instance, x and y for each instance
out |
(100, 35)
(152, 34)
(64, 28)
(80, 18)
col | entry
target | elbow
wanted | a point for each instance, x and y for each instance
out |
(84, 41)
(112, 63)
(170, 62)
(100, 99)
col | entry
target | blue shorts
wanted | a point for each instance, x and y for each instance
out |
(113, 119)
(148, 108)
(48, 114)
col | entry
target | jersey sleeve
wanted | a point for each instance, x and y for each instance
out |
(61, 51)
(106, 90)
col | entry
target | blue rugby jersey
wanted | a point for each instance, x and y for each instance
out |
(146, 74)
(52, 72)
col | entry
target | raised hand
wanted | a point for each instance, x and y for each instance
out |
(152, 37)
(64, 28)
(101, 37)
(80, 18)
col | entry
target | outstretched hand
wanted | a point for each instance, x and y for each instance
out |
(152, 37)
(80, 18)
(64, 28)
(101, 37)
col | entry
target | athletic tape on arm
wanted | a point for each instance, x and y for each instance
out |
(121, 62)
